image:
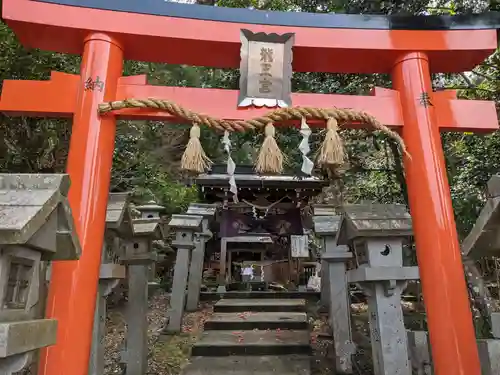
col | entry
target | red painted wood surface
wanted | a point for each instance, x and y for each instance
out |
(56, 98)
(449, 317)
(217, 44)
(73, 286)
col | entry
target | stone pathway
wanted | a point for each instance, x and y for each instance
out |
(254, 336)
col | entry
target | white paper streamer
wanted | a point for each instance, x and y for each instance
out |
(307, 164)
(231, 166)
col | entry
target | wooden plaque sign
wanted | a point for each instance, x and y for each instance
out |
(265, 69)
(299, 246)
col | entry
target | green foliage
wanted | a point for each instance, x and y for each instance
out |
(472, 159)
(137, 167)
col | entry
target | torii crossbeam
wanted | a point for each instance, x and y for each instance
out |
(408, 48)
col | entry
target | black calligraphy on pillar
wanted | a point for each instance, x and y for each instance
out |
(425, 99)
(91, 85)
(266, 60)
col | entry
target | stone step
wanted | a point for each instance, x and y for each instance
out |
(257, 320)
(260, 305)
(254, 343)
(213, 296)
(239, 365)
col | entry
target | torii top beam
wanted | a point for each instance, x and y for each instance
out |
(209, 36)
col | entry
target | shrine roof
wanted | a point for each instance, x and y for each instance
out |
(147, 227)
(373, 220)
(149, 30)
(26, 201)
(118, 213)
(151, 206)
(35, 212)
(246, 178)
(488, 20)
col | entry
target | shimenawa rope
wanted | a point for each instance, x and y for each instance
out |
(331, 146)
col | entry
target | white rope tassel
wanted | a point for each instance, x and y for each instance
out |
(270, 159)
(307, 164)
(194, 158)
(231, 166)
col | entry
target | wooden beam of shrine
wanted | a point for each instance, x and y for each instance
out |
(53, 98)
(56, 98)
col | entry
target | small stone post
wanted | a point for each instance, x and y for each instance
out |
(35, 225)
(377, 233)
(334, 290)
(495, 325)
(489, 356)
(138, 256)
(207, 211)
(325, 219)
(326, 222)
(110, 275)
(489, 349)
(420, 353)
(221, 279)
(185, 227)
(156, 257)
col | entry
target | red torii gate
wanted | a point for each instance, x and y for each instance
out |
(105, 33)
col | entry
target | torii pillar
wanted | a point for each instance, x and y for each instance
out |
(106, 33)
(439, 257)
(89, 166)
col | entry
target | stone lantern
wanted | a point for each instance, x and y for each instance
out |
(207, 211)
(137, 250)
(334, 286)
(377, 233)
(35, 224)
(185, 227)
(137, 254)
